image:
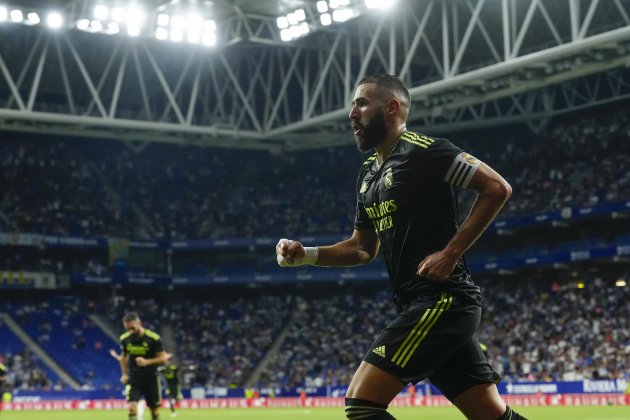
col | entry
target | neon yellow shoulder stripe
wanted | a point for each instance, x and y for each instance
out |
(152, 334)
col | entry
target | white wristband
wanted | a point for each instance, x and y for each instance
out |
(311, 254)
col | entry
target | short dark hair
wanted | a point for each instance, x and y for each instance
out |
(131, 316)
(389, 82)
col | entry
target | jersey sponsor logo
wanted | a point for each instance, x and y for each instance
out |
(380, 214)
(137, 350)
(380, 351)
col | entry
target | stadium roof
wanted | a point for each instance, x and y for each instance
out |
(468, 63)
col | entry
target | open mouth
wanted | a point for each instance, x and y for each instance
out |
(357, 129)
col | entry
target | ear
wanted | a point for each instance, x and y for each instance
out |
(393, 106)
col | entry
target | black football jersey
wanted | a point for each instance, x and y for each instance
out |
(410, 201)
(148, 345)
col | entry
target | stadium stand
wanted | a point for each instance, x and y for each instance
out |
(535, 329)
(150, 194)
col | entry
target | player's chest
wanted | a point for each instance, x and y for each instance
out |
(394, 182)
(138, 348)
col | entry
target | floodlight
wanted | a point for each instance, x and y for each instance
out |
(162, 19)
(54, 20)
(32, 18)
(342, 15)
(295, 31)
(282, 22)
(177, 22)
(322, 6)
(161, 33)
(176, 35)
(193, 37)
(210, 25)
(379, 4)
(300, 15)
(193, 23)
(209, 39)
(118, 14)
(101, 12)
(113, 28)
(4, 13)
(334, 4)
(285, 35)
(83, 24)
(133, 30)
(96, 25)
(325, 19)
(16, 16)
(135, 17)
(304, 29)
(292, 18)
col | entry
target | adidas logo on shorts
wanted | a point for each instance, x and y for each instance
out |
(380, 351)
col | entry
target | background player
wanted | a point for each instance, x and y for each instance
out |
(3, 383)
(141, 354)
(406, 207)
(173, 390)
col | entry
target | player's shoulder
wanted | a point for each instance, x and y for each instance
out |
(412, 141)
(369, 161)
(124, 336)
(152, 334)
(418, 144)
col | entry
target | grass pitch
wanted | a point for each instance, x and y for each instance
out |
(440, 413)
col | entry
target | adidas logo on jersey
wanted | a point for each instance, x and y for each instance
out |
(380, 351)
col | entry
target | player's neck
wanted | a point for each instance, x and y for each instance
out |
(391, 140)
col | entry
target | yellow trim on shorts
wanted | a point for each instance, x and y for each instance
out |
(420, 331)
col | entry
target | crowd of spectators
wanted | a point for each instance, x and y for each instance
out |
(218, 343)
(558, 331)
(165, 191)
(534, 330)
(24, 371)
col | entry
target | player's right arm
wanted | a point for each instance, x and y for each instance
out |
(359, 249)
(124, 358)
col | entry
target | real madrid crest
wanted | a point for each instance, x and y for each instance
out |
(389, 179)
(363, 188)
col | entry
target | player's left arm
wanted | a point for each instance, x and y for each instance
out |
(493, 191)
(159, 359)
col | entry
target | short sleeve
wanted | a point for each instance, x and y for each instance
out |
(157, 346)
(450, 164)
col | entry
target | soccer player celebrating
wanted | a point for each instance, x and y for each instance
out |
(173, 390)
(141, 354)
(406, 206)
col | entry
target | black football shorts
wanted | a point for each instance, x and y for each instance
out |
(147, 386)
(435, 339)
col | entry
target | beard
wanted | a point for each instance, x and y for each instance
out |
(372, 134)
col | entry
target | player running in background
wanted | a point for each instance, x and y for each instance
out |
(141, 404)
(4, 373)
(406, 206)
(141, 354)
(173, 390)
